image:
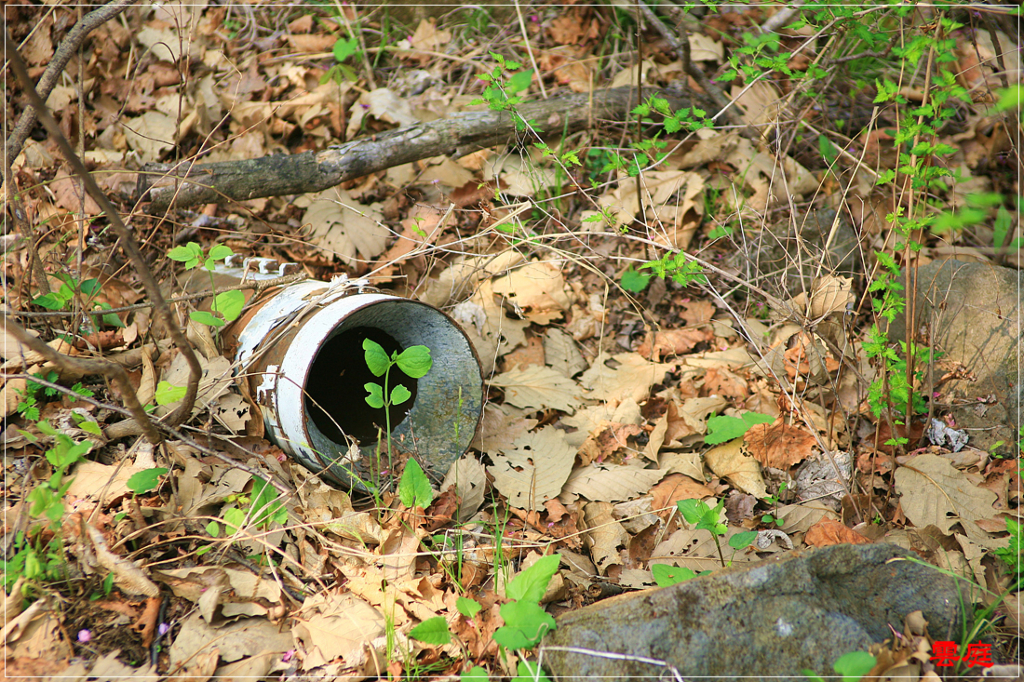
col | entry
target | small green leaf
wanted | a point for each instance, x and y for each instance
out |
(146, 480)
(519, 82)
(531, 583)
(345, 48)
(414, 488)
(725, 428)
(229, 304)
(233, 519)
(203, 317)
(213, 528)
(692, 510)
(399, 394)
(219, 252)
(477, 674)
(168, 393)
(526, 622)
(376, 359)
(854, 665)
(90, 287)
(743, 540)
(415, 361)
(467, 607)
(528, 671)
(49, 301)
(828, 151)
(189, 254)
(376, 397)
(634, 281)
(432, 631)
(665, 575)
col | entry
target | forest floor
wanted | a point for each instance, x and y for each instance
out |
(678, 303)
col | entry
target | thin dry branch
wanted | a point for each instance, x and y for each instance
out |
(124, 235)
(187, 184)
(86, 366)
(65, 51)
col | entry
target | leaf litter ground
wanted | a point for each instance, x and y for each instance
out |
(597, 421)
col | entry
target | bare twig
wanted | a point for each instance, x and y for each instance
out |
(89, 366)
(65, 51)
(122, 231)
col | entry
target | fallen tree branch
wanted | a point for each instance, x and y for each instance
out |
(188, 183)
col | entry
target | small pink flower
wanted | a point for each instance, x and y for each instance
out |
(84, 636)
(288, 655)
(163, 628)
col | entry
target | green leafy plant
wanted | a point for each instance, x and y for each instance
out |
(503, 84)
(526, 622)
(37, 554)
(414, 486)
(64, 296)
(702, 516)
(227, 305)
(414, 362)
(261, 508)
(145, 481)
(665, 575)
(633, 281)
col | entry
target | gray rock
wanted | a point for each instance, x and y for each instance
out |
(772, 619)
(972, 312)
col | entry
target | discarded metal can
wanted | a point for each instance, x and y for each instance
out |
(301, 352)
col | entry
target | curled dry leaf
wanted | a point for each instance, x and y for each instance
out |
(729, 461)
(657, 345)
(830, 532)
(677, 487)
(779, 445)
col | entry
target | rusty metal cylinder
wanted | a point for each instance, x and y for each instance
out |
(301, 351)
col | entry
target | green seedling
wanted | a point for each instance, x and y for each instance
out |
(64, 296)
(414, 362)
(702, 516)
(526, 622)
(227, 305)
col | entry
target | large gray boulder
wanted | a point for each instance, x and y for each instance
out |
(772, 619)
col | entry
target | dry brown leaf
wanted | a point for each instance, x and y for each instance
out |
(677, 487)
(722, 381)
(341, 227)
(934, 493)
(535, 470)
(604, 536)
(631, 377)
(536, 292)
(538, 388)
(829, 532)
(72, 195)
(606, 441)
(779, 445)
(657, 345)
(729, 462)
(421, 229)
(609, 482)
